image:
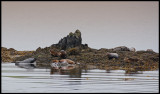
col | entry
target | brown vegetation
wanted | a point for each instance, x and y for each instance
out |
(9, 55)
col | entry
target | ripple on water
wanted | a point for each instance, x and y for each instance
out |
(15, 79)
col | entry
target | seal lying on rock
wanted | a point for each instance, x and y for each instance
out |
(54, 53)
(67, 61)
(27, 63)
(29, 60)
(132, 49)
(121, 48)
(149, 50)
(55, 61)
(62, 62)
(112, 55)
(61, 54)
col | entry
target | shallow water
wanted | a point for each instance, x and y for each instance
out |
(77, 80)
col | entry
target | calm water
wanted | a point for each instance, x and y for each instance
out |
(91, 80)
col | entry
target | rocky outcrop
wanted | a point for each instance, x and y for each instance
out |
(78, 52)
(72, 40)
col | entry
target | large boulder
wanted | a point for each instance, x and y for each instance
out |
(72, 40)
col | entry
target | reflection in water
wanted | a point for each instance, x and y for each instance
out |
(74, 71)
(108, 71)
(132, 72)
(87, 67)
(74, 79)
(26, 65)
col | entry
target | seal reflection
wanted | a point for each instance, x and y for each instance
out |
(74, 71)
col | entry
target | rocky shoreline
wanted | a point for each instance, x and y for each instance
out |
(9, 55)
(128, 58)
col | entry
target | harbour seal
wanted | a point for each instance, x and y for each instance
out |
(112, 55)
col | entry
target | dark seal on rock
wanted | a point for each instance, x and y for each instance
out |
(63, 54)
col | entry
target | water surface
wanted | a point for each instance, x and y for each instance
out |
(76, 80)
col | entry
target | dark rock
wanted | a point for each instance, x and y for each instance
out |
(72, 40)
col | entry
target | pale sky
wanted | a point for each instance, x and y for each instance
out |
(28, 25)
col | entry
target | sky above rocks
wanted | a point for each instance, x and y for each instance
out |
(28, 25)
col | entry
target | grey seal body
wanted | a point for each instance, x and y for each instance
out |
(27, 63)
(112, 55)
(29, 60)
